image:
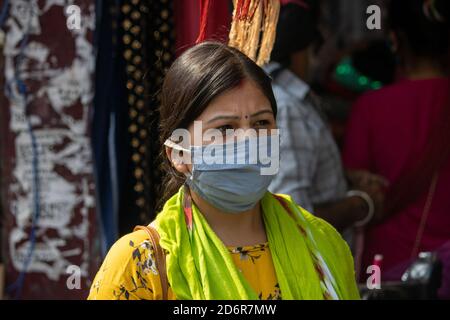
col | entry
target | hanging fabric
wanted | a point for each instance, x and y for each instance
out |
(147, 41)
(253, 28)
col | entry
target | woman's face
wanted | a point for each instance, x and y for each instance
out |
(244, 107)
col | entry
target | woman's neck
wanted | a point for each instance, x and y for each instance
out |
(418, 69)
(234, 229)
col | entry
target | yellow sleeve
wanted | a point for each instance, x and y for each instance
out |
(128, 272)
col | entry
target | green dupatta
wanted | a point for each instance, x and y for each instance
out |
(310, 258)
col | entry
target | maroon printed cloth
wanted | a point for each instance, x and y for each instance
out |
(50, 55)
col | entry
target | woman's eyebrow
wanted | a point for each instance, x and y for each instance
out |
(223, 118)
(261, 112)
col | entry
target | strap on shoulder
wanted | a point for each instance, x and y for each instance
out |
(160, 256)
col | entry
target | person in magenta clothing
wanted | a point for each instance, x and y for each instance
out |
(402, 132)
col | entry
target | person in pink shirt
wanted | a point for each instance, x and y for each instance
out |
(402, 132)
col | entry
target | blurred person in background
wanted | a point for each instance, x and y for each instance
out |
(364, 66)
(402, 132)
(311, 169)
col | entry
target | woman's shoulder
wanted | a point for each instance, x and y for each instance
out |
(332, 248)
(128, 243)
(129, 270)
(335, 252)
(319, 226)
(402, 90)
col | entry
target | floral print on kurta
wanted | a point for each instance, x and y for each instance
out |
(129, 271)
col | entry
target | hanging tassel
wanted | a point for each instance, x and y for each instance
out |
(235, 30)
(204, 9)
(253, 28)
(252, 36)
(270, 28)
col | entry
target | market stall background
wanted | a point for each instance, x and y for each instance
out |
(78, 122)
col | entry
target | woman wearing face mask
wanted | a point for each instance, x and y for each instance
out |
(223, 234)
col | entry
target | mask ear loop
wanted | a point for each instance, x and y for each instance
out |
(175, 146)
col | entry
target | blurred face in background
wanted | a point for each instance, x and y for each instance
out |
(304, 62)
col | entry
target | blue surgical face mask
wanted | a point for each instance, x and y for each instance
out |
(233, 177)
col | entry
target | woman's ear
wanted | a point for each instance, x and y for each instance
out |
(176, 159)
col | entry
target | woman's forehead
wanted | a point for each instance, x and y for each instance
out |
(245, 99)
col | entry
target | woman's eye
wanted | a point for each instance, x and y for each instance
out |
(262, 123)
(224, 128)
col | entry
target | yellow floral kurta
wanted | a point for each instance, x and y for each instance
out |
(129, 271)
